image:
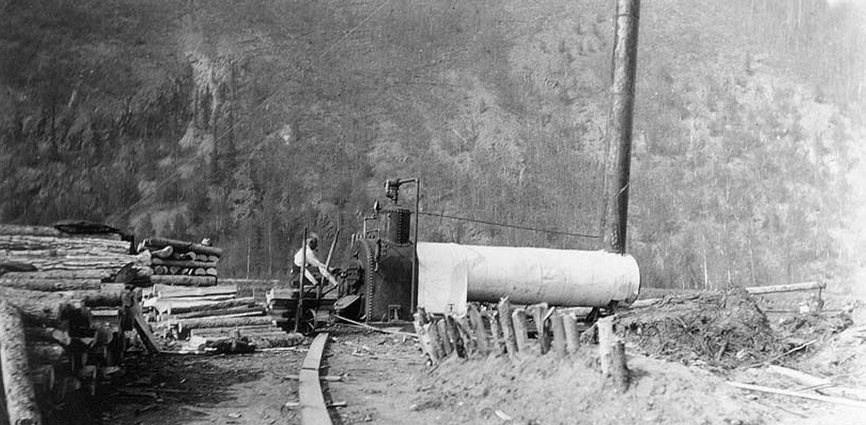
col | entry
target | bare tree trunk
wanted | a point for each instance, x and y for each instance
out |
(20, 396)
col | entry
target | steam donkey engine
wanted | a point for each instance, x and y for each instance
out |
(381, 281)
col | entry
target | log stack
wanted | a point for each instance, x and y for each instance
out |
(62, 294)
(208, 315)
(177, 262)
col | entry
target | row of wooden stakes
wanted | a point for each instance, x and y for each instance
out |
(507, 329)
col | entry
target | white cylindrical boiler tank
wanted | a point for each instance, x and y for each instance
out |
(450, 273)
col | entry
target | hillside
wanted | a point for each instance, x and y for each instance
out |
(246, 121)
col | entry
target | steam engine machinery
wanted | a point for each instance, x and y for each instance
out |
(390, 275)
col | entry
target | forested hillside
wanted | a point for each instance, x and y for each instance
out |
(247, 120)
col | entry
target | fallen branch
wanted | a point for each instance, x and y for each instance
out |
(810, 396)
(793, 350)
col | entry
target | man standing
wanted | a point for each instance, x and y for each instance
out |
(312, 260)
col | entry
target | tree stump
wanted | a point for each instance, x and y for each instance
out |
(611, 351)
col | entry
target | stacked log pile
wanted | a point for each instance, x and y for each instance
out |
(213, 314)
(61, 297)
(177, 262)
(507, 330)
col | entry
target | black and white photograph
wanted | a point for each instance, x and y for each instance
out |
(347, 212)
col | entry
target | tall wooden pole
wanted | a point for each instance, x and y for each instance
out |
(618, 162)
(299, 312)
(413, 303)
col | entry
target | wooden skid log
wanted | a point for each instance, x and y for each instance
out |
(222, 322)
(182, 246)
(166, 292)
(222, 312)
(233, 330)
(179, 307)
(21, 404)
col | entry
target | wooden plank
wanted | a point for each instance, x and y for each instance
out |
(810, 396)
(222, 322)
(175, 306)
(175, 280)
(180, 292)
(144, 332)
(313, 408)
(222, 312)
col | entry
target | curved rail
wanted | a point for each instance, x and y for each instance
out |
(312, 402)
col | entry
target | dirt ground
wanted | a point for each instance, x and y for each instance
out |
(241, 389)
(385, 380)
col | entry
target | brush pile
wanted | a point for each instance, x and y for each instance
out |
(722, 329)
